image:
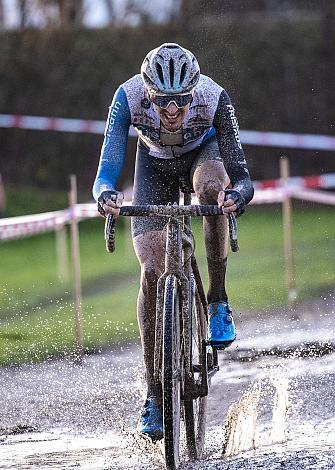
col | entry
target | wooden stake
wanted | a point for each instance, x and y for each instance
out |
(2, 197)
(287, 228)
(62, 254)
(76, 269)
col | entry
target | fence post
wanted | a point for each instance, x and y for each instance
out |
(2, 197)
(62, 253)
(76, 269)
(287, 228)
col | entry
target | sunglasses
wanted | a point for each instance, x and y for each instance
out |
(163, 101)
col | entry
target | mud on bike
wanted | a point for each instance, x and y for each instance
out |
(184, 362)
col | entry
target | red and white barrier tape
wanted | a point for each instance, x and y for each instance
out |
(25, 226)
(20, 227)
(288, 140)
(320, 197)
(267, 139)
(322, 181)
(39, 123)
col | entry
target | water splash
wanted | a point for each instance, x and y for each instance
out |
(280, 408)
(241, 422)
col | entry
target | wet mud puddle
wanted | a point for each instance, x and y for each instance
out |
(271, 406)
(284, 416)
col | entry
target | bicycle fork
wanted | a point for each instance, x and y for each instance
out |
(173, 266)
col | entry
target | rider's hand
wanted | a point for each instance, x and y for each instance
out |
(109, 202)
(232, 201)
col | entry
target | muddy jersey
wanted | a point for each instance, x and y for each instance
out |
(211, 113)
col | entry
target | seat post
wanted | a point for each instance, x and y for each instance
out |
(187, 198)
(186, 188)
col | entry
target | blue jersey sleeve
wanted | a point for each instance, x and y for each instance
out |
(114, 147)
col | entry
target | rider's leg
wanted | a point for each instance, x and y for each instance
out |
(209, 178)
(149, 248)
(155, 182)
(150, 251)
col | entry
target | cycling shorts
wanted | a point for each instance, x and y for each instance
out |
(157, 180)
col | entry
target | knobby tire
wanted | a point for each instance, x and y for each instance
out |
(172, 364)
(195, 409)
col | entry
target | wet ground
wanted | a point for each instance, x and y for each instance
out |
(277, 380)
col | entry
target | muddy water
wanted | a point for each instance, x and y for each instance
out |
(276, 385)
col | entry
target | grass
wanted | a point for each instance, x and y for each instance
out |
(29, 267)
(49, 331)
(36, 310)
(23, 201)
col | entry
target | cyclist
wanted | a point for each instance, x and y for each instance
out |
(187, 130)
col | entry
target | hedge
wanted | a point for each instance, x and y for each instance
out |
(280, 75)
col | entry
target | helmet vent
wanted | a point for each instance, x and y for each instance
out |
(148, 79)
(182, 73)
(171, 72)
(195, 78)
(160, 72)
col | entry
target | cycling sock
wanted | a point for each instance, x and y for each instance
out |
(154, 390)
(217, 277)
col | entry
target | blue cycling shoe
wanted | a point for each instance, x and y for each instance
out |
(221, 327)
(151, 420)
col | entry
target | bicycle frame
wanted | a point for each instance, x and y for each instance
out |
(173, 265)
(180, 261)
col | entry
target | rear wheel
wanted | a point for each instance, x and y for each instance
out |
(172, 364)
(195, 409)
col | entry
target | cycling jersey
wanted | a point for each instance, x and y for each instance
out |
(210, 114)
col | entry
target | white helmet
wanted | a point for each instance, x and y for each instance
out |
(170, 69)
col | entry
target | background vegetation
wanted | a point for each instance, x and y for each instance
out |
(279, 73)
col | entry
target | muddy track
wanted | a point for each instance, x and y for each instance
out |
(277, 380)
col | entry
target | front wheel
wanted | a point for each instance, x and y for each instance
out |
(195, 409)
(171, 372)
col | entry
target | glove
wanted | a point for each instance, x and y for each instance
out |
(237, 198)
(105, 197)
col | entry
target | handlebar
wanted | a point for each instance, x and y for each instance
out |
(169, 211)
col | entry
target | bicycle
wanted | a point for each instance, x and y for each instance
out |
(184, 362)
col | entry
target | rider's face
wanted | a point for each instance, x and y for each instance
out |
(172, 117)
